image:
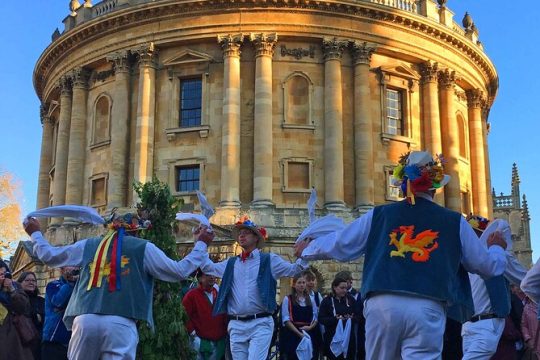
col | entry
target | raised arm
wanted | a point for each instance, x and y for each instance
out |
(515, 272)
(345, 245)
(531, 283)
(281, 268)
(476, 258)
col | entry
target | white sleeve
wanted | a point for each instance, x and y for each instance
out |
(515, 272)
(281, 268)
(315, 312)
(476, 258)
(57, 256)
(215, 269)
(160, 266)
(285, 316)
(345, 245)
(531, 283)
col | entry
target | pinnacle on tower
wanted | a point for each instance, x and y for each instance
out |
(515, 175)
(525, 210)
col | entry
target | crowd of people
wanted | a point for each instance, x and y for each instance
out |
(425, 267)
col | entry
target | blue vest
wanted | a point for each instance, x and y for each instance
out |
(462, 305)
(265, 283)
(415, 250)
(133, 300)
(499, 295)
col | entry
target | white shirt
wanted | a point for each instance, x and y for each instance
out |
(244, 298)
(155, 262)
(350, 244)
(286, 316)
(531, 283)
(514, 273)
(312, 297)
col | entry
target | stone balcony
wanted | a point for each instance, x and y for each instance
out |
(425, 8)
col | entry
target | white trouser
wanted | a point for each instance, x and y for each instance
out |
(103, 337)
(480, 338)
(250, 340)
(403, 327)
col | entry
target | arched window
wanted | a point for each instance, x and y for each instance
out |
(102, 116)
(297, 101)
(462, 136)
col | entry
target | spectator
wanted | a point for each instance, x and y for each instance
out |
(529, 326)
(28, 282)
(360, 329)
(13, 302)
(55, 335)
(207, 333)
(337, 306)
(506, 349)
(345, 274)
(297, 315)
(316, 298)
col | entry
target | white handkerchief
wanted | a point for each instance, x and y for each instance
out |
(304, 350)
(82, 213)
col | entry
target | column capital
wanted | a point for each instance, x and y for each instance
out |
(79, 77)
(362, 51)
(231, 43)
(333, 48)
(447, 78)
(475, 98)
(120, 60)
(65, 85)
(148, 54)
(45, 111)
(264, 43)
(429, 71)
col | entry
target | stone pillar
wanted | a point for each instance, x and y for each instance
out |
(485, 132)
(363, 126)
(333, 124)
(77, 138)
(117, 189)
(45, 161)
(146, 106)
(62, 145)
(475, 98)
(263, 132)
(230, 131)
(430, 106)
(450, 141)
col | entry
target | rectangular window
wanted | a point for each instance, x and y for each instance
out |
(393, 192)
(98, 192)
(187, 178)
(190, 102)
(298, 175)
(394, 112)
(465, 203)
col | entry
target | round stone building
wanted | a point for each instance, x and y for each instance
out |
(256, 102)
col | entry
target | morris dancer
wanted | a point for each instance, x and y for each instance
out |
(116, 283)
(413, 249)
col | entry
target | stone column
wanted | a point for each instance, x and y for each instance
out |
(475, 99)
(333, 124)
(77, 138)
(485, 132)
(450, 140)
(263, 132)
(432, 119)
(230, 131)
(117, 189)
(363, 126)
(62, 145)
(45, 161)
(146, 105)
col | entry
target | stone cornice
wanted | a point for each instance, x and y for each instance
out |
(152, 12)
(264, 43)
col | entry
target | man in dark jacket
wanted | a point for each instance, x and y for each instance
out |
(55, 335)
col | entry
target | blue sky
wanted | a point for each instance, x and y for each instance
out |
(509, 40)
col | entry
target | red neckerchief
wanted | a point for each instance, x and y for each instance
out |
(244, 255)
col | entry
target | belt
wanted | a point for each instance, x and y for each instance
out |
(476, 318)
(249, 317)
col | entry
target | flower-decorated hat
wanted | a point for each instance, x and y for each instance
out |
(478, 222)
(128, 218)
(418, 171)
(246, 223)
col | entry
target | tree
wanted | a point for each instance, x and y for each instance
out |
(11, 230)
(170, 341)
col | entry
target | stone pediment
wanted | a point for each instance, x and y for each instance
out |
(400, 70)
(188, 56)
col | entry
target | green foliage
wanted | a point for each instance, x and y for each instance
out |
(170, 340)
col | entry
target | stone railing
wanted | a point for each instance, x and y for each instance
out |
(104, 7)
(503, 201)
(406, 5)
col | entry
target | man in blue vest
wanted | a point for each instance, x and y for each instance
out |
(115, 287)
(248, 291)
(413, 250)
(491, 297)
